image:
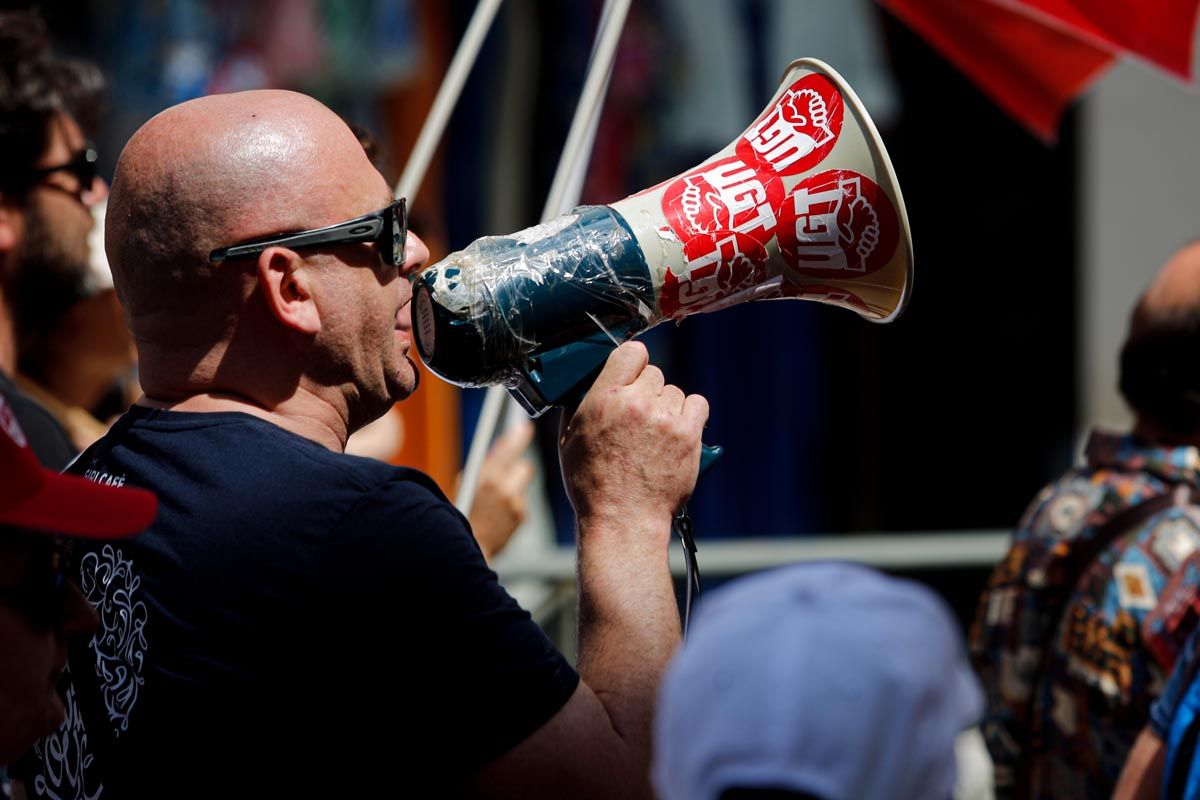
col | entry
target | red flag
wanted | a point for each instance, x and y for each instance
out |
(1159, 31)
(1030, 70)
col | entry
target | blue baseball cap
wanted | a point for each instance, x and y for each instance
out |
(830, 679)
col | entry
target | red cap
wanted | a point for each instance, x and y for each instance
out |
(35, 498)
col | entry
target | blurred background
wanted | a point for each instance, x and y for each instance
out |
(914, 446)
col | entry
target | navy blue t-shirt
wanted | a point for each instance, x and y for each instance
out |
(294, 621)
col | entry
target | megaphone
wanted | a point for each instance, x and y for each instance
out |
(804, 204)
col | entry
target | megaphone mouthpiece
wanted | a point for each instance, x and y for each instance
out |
(483, 311)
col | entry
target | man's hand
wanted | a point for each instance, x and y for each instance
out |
(631, 451)
(630, 456)
(500, 502)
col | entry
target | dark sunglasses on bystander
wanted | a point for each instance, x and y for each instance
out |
(82, 165)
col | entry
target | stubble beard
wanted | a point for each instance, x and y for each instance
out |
(46, 280)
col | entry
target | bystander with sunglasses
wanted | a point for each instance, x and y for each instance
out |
(48, 187)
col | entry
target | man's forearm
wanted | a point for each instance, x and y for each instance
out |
(628, 621)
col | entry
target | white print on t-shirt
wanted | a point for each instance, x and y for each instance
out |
(100, 476)
(65, 758)
(111, 585)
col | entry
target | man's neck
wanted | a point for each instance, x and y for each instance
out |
(303, 415)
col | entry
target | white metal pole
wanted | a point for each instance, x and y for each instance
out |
(447, 98)
(564, 195)
(578, 148)
(489, 417)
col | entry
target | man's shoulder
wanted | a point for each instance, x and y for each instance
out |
(262, 475)
(240, 444)
(47, 438)
(1081, 500)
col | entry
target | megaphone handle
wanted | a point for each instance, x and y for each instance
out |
(561, 377)
(709, 453)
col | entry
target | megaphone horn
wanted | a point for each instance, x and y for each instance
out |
(804, 204)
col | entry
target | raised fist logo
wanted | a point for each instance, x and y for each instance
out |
(798, 130)
(858, 226)
(724, 195)
(718, 265)
(702, 207)
(808, 113)
(838, 222)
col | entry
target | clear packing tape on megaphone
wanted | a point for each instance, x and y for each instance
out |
(506, 298)
(804, 204)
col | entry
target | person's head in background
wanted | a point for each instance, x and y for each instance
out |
(1160, 375)
(41, 608)
(825, 681)
(48, 182)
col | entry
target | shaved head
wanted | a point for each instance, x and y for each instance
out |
(1160, 361)
(211, 172)
(1174, 291)
(310, 335)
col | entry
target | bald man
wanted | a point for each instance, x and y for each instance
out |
(1088, 612)
(300, 622)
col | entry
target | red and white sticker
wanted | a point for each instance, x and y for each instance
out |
(837, 224)
(719, 265)
(726, 195)
(798, 131)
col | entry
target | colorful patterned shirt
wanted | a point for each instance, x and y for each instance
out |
(1113, 635)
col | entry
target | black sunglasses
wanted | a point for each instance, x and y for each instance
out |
(41, 594)
(387, 228)
(82, 165)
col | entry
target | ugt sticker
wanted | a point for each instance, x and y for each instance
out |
(719, 265)
(798, 130)
(726, 195)
(837, 224)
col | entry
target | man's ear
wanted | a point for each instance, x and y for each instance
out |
(287, 284)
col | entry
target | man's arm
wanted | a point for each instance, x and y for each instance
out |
(630, 455)
(1142, 776)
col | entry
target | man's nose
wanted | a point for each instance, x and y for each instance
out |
(96, 192)
(416, 255)
(79, 618)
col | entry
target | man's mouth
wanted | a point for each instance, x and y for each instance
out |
(404, 317)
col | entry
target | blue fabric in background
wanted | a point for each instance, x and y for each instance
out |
(759, 365)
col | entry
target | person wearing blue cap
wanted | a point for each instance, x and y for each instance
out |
(829, 681)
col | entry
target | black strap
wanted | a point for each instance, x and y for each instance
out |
(1070, 571)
